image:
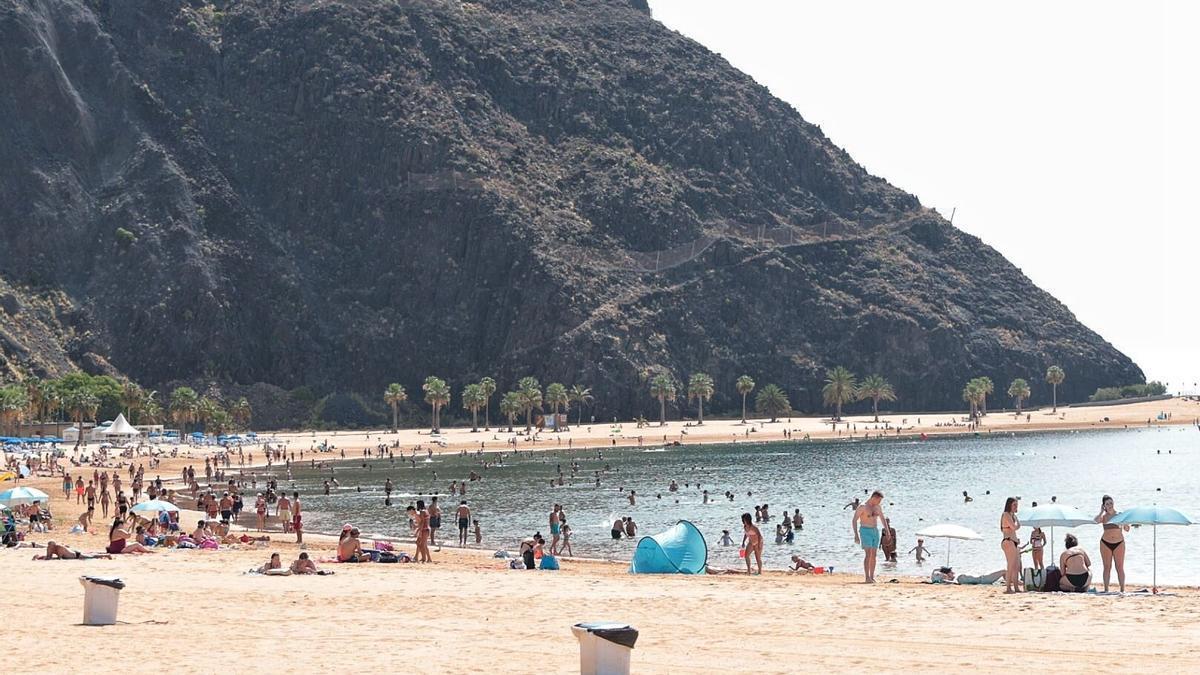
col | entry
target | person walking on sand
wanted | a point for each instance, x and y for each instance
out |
(752, 542)
(566, 541)
(866, 521)
(464, 521)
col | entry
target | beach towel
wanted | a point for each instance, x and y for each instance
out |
(383, 545)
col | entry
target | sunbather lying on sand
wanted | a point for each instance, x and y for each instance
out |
(59, 552)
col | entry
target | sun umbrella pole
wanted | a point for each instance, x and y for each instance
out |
(1155, 529)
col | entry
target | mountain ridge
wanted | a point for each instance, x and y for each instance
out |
(336, 195)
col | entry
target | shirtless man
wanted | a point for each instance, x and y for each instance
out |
(435, 520)
(283, 509)
(555, 529)
(632, 498)
(865, 524)
(464, 522)
(350, 548)
(296, 519)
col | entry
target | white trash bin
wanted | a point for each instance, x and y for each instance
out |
(604, 647)
(100, 600)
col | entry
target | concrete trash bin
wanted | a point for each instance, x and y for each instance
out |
(100, 600)
(604, 647)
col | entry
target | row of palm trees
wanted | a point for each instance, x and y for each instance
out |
(841, 387)
(771, 399)
(526, 398)
(79, 398)
(187, 407)
(978, 389)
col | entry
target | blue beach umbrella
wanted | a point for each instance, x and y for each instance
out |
(1055, 515)
(1139, 515)
(23, 495)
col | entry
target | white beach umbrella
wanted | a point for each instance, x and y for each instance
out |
(949, 531)
(1055, 515)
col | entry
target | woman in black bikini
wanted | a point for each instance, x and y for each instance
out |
(1011, 546)
(1076, 568)
(1112, 543)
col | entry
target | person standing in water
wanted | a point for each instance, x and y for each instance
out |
(464, 522)
(866, 521)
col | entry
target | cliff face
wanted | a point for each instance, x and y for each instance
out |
(344, 194)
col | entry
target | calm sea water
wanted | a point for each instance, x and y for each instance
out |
(923, 483)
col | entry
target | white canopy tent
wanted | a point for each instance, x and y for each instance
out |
(120, 428)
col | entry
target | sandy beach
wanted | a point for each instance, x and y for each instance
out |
(467, 612)
(1181, 411)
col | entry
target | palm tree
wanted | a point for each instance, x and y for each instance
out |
(207, 412)
(744, 386)
(839, 388)
(973, 393)
(1019, 390)
(152, 412)
(581, 395)
(241, 413)
(183, 406)
(510, 407)
(394, 395)
(531, 398)
(473, 399)
(14, 405)
(437, 394)
(1055, 377)
(488, 385)
(37, 392)
(877, 389)
(556, 396)
(985, 386)
(131, 399)
(662, 387)
(773, 401)
(700, 388)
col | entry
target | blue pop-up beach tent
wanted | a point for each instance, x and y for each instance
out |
(679, 550)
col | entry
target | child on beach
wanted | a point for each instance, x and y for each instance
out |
(920, 550)
(1037, 543)
(478, 534)
(725, 539)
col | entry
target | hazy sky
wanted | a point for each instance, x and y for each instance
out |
(1066, 133)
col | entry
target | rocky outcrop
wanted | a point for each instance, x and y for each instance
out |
(337, 195)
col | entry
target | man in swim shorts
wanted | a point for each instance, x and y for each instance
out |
(435, 519)
(464, 522)
(867, 518)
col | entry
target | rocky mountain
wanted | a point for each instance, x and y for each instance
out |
(336, 194)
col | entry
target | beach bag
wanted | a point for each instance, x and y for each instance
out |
(388, 557)
(382, 546)
(1053, 579)
(1035, 579)
(549, 562)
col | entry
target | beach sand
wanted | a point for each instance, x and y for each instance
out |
(468, 613)
(757, 430)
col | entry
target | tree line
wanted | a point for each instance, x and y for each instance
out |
(79, 397)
